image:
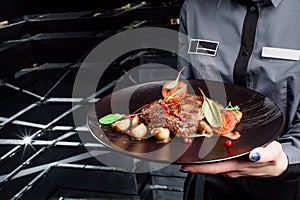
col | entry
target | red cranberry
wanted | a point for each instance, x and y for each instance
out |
(181, 118)
(187, 140)
(128, 132)
(170, 101)
(236, 133)
(164, 105)
(228, 143)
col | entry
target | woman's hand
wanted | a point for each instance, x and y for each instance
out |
(268, 161)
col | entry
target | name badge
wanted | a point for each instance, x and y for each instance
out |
(279, 53)
(203, 47)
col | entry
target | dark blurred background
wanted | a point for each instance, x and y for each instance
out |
(42, 44)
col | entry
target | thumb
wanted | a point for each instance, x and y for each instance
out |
(267, 153)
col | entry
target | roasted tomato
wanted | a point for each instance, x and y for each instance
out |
(169, 92)
(228, 123)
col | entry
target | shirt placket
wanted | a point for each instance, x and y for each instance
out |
(246, 46)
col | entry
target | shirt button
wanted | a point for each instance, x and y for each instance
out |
(245, 53)
(252, 9)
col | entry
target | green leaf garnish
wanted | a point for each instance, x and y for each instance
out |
(110, 118)
(211, 111)
(173, 84)
(231, 108)
(175, 93)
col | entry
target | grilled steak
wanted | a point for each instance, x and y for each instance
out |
(181, 118)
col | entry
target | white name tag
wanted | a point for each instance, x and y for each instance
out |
(279, 53)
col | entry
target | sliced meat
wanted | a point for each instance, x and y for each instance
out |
(182, 118)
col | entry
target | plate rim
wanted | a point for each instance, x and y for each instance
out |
(274, 136)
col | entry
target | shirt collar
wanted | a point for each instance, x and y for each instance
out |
(274, 2)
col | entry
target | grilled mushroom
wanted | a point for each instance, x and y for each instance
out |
(139, 131)
(122, 125)
(135, 121)
(203, 128)
(238, 115)
(161, 133)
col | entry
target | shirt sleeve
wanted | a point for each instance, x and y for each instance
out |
(290, 141)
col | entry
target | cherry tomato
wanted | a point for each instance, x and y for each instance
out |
(228, 123)
(166, 93)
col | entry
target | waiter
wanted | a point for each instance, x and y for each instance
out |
(256, 44)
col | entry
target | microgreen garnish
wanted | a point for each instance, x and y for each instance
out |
(173, 84)
(231, 108)
(110, 118)
(211, 111)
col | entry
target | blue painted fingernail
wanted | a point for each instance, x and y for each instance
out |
(255, 157)
(184, 170)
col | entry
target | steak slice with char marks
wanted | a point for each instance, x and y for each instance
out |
(187, 109)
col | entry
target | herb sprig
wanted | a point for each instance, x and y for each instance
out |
(173, 84)
(231, 108)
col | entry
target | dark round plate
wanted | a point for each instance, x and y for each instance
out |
(262, 122)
